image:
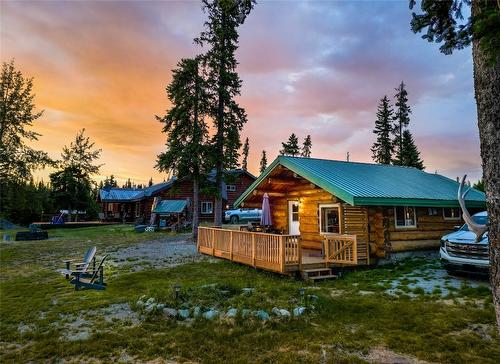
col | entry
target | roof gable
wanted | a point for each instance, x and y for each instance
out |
(374, 184)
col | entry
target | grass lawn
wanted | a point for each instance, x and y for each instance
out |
(369, 315)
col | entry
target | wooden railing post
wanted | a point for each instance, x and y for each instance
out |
(213, 242)
(282, 251)
(231, 245)
(299, 247)
(253, 250)
(327, 247)
(355, 249)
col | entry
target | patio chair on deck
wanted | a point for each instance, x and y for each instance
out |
(88, 258)
(92, 281)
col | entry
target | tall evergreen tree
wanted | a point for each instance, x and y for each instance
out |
(186, 129)
(246, 150)
(150, 183)
(442, 21)
(401, 120)
(383, 148)
(72, 185)
(410, 156)
(263, 162)
(224, 84)
(291, 147)
(306, 147)
(110, 181)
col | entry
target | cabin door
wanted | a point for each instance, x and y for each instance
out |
(293, 218)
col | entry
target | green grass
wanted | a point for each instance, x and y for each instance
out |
(344, 325)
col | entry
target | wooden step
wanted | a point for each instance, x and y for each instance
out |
(316, 273)
(317, 270)
(328, 276)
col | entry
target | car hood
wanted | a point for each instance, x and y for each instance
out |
(463, 236)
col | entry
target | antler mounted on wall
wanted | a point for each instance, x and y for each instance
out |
(478, 229)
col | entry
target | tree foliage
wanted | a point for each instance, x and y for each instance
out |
(72, 184)
(410, 155)
(263, 162)
(383, 148)
(401, 120)
(291, 146)
(479, 185)
(246, 150)
(223, 83)
(306, 147)
(17, 114)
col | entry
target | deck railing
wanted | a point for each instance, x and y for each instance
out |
(261, 250)
(341, 248)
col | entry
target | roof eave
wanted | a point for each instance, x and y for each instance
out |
(381, 201)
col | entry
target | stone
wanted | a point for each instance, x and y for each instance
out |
(160, 306)
(197, 311)
(140, 304)
(150, 301)
(298, 311)
(245, 313)
(211, 314)
(261, 314)
(281, 312)
(313, 297)
(184, 313)
(247, 290)
(169, 312)
(232, 312)
(150, 308)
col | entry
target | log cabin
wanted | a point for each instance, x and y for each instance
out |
(329, 213)
(136, 205)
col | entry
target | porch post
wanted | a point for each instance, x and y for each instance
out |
(282, 250)
(299, 245)
(231, 245)
(253, 250)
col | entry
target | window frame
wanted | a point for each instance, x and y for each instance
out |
(459, 217)
(231, 188)
(328, 205)
(414, 226)
(205, 204)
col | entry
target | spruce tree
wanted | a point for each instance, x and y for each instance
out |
(224, 84)
(150, 183)
(442, 22)
(401, 120)
(383, 148)
(410, 156)
(291, 147)
(246, 149)
(306, 147)
(263, 162)
(186, 130)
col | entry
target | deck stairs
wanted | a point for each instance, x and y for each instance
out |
(317, 274)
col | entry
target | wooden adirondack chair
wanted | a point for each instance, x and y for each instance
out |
(93, 281)
(88, 258)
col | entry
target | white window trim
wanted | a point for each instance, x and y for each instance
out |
(405, 226)
(207, 203)
(452, 218)
(326, 205)
(231, 188)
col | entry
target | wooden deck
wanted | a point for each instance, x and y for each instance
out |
(274, 252)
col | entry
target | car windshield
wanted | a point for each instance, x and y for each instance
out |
(483, 220)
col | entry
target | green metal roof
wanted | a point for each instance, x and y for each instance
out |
(363, 184)
(170, 207)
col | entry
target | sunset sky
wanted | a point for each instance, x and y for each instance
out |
(316, 68)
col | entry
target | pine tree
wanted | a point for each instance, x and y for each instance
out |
(410, 156)
(187, 131)
(110, 182)
(72, 185)
(479, 185)
(402, 120)
(291, 147)
(383, 148)
(224, 84)
(263, 162)
(246, 149)
(150, 183)
(306, 147)
(128, 184)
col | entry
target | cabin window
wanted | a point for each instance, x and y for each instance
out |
(405, 216)
(231, 188)
(295, 212)
(451, 213)
(207, 207)
(329, 219)
(432, 211)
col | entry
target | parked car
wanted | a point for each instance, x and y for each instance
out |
(237, 215)
(459, 250)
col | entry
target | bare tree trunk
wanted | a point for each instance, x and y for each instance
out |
(196, 207)
(487, 93)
